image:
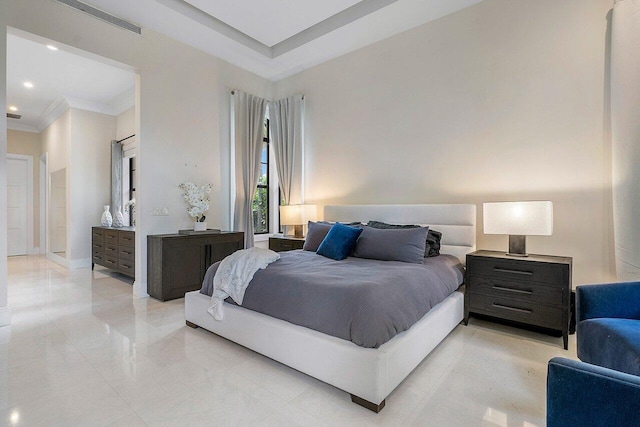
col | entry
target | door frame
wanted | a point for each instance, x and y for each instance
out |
(29, 160)
(43, 197)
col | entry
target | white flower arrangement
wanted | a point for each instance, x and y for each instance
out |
(197, 198)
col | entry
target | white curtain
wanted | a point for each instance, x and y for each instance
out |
(249, 112)
(286, 123)
(625, 132)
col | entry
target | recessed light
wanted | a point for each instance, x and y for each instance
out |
(28, 84)
(51, 47)
(12, 108)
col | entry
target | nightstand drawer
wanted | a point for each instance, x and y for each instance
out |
(127, 238)
(523, 271)
(532, 293)
(126, 254)
(284, 244)
(505, 308)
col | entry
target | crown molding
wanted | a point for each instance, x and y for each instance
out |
(123, 102)
(14, 125)
(53, 111)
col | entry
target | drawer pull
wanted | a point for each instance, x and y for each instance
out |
(110, 237)
(506, 307)
(504, 270)
(126, 266)
(126, 253)
(515, 291)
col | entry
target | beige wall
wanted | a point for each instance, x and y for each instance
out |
(500, 101)
(28, 144)
(126, 123)
(89, 184)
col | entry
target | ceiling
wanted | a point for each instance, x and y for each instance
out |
(61, 79)
(278, 38)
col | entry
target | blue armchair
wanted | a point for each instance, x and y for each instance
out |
(604, 391)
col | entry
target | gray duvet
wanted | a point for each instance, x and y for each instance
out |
(364, 301)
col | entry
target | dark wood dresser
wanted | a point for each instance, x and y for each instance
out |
(286, 243)
(177, 263)
(114, 248)
(533, 290)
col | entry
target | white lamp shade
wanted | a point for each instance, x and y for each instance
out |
(297, 214)
(518, 218)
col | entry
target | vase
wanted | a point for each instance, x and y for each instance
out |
(106, 217)
(199, 226)
(118, 219)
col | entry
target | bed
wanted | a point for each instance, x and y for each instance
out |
(368, 374)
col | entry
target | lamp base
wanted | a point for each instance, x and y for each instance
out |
(297, 231)
(517, 246)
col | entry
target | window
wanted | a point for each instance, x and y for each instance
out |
(261, 199)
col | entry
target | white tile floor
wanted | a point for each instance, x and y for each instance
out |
(83, 352)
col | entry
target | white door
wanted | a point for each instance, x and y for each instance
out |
(17, 177)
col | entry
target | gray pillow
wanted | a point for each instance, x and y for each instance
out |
(317, 231)
(432, 247)
(400, 244)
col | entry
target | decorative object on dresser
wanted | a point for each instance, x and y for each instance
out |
(518, 219)
(177, 263)
(114, 248)
(285, 243)
(297, 215)
(532, 291)
(118, 219)
(198, 200)
(106, 219)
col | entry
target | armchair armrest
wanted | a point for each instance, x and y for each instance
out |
(613, 300)
(580, 394)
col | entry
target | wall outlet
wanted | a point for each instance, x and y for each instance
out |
(160, 212)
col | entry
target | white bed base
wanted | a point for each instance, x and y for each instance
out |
(370, 375)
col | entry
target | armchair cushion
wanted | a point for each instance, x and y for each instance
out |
(621, 300)
(584, 395)
(612, 343)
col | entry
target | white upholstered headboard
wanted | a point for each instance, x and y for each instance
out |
(457, 223)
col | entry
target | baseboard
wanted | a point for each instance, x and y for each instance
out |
(58, 259)
(79, 263)
(140, 290)
(5, 316)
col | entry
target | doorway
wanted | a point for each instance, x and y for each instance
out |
(19, 204)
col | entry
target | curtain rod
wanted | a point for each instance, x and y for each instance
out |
(233, 92)
(124, 139)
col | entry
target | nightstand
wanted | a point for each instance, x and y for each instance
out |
(285, 243)
(533, 290)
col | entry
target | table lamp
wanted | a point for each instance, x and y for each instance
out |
(518, 220)
(297, 215)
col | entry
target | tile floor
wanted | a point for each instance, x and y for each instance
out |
(83, 352)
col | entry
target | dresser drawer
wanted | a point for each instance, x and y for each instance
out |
(532, 293)
(97, 246)
(111, 249)
(111, 236)
(110, 262)
(127, 238)
(126, 267)
(127, 254)
(519, 311)
(97, 257)
(97, 234)
(523, 271)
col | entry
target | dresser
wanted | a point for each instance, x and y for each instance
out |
(177, 263)
(114, 248)
(533, 290)
(285, 243)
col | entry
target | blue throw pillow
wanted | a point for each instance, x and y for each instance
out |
(339, 242)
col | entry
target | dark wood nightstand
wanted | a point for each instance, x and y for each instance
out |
(533, 290)
(285, 243)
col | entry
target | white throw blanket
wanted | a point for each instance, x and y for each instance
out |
(234, 274)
